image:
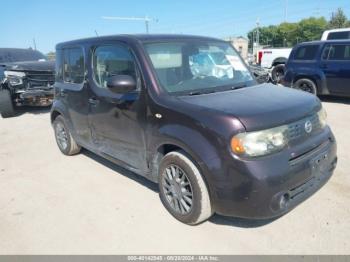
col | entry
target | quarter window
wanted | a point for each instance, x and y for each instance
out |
(337, 52)
(307, 52)
(73, 65)
(338, 35)
(110, 61)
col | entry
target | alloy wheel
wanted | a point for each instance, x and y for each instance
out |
(61, 135)
(177, 189)
(306, 87)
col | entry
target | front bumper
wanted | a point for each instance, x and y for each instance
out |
(38, 96)
(273, 185)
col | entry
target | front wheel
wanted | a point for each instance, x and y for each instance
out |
(64, 139)
(277, 73)
(183, 190)
(6, 105)
(306, 85)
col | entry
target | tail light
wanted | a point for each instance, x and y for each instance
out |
(260, 54)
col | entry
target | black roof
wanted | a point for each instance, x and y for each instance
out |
(137, 37)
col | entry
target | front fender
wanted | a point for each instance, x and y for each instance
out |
(203, 150)
(59, 108)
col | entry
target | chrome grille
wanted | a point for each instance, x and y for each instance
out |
(296, 130)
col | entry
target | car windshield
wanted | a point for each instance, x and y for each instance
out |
(196, 67)
(8, 55)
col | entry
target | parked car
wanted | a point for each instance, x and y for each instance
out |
(320, 68)
(336, 34)
(213, 143)
(26, 78)
(261, 75)
(274, 60)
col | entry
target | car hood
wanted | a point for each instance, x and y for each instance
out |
(30, 66)
(259, 107)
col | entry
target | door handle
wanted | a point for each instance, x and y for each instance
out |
(324, 66)
(93, 101)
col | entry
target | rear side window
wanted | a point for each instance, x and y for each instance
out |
(338, 35)
(336, 52)
(73, 65)
(307, 52)
(112, 60)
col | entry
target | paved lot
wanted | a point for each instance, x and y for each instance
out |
(53, 204)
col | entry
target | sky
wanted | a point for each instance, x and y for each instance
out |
(50, 22)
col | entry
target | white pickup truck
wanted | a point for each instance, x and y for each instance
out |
(274, 60)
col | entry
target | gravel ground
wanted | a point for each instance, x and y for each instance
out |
(53, 204)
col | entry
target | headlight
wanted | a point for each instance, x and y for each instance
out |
(322, 117)
(253, 144)
(14, 78)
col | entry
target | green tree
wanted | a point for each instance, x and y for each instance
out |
(289, 34)
(338, 20)
(311, 29)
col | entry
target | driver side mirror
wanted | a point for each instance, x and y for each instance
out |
(121, 83)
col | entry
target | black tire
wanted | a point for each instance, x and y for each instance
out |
(199, 202)
(6, 105)
(277, 73)
(64, 139)
(306, 85)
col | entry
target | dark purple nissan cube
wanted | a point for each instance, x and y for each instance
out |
(186, 113)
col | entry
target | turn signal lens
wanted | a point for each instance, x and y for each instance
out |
(237, 145)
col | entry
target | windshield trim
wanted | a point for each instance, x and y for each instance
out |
(216, 89)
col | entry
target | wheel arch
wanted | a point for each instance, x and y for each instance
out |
(168, 147)
(279, 61)
(54, 114)
(304, 76)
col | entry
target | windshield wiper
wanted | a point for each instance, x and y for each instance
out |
(196, 93)
(238, 86)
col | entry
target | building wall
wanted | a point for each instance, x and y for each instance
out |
(241, 45)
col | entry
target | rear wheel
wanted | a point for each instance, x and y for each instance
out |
(64, 139)
(277, 73)
(306, 85)
(6, 105)
(182, 189)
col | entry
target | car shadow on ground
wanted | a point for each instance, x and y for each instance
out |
(137, 178)
(335, 99)
(215, 219)
(32, 110)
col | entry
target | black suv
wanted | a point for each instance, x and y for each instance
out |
(26, 79)
(186, 113)
(321, 68)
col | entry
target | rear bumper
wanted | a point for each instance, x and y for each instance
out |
(270, 187)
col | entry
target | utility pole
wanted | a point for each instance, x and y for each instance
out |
(257, 32)
(34, 43)
(285, 10)
(256, 41)
(145, 19)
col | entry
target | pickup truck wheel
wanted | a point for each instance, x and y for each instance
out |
(6, 105)
(182, 189)
(278, 73)
(64, 139)
(306, 85)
